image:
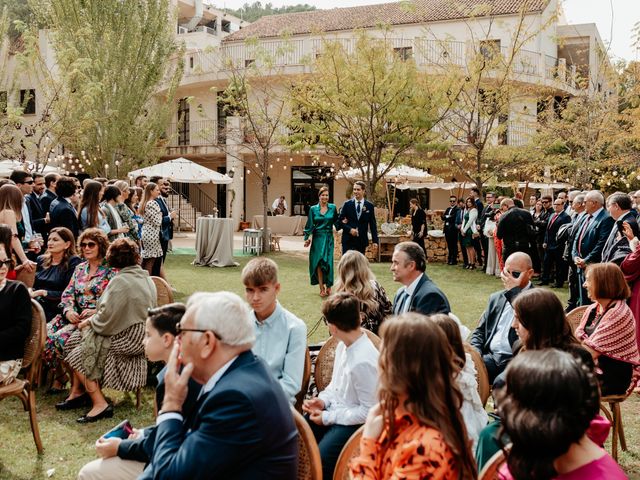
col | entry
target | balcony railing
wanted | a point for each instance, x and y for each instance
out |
(519, 133)
(198, 133)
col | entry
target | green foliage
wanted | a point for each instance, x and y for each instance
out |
(18, 12)
(254, 11)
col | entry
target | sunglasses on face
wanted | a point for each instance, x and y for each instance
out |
(28, 182)
(5, 263)
(88, 244)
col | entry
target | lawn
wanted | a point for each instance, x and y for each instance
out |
(69, 445)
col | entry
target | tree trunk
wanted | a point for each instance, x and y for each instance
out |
(266, 244)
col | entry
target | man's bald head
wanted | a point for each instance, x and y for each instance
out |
(520, 262)
(507, 203)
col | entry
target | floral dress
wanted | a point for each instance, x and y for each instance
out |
(151, 247)
(129, 218)
(83, 292)
(373, 319)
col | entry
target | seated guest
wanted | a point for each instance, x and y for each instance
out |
(607, 329)
(126, 459)
(54, 271)
(473, 413)
(78, 302)
(419, 293)
(494, 336)
(62, 212)
(547, 407)
(342, 407)
(107, 350)
(15, 323)
(417, 431)
(355, 277)
(243, 426)
(281, 337)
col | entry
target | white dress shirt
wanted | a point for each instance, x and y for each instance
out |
(408, 290)
(26, 221)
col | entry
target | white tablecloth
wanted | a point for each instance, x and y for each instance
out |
(214, 242)
(281, 224)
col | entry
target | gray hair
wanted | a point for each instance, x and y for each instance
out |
(226, 314)
(573, 194)
(579, 198)
(595, 196)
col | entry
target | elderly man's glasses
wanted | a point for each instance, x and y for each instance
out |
(180, 330)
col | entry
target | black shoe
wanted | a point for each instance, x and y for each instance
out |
(78, 402)
(106, 413)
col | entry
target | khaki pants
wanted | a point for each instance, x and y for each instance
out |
(113, 468)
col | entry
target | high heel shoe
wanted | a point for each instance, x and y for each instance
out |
(106, 413)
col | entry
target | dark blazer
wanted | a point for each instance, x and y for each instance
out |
(427, 298)
(166, 229)
(418, 218)
(366, 222)
(484, 332)
(37, 213)
(242, 429)
(616, 249)
(450, 217)
(590, 246)
(514, 229)
(15, 319)
(46, 200)
(550, 236)
(540, 223)
(64, 215)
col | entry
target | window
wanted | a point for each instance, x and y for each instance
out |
(489, 49)
(403, 53)
(3, 102)
(305, 184)
(248, 62)
(183, 122)
(28, 101)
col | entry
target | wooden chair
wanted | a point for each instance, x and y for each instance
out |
(482, 376)
(309, 463)
(27, 278)
(490, 470)
(24, 388)
(306, 377)
(326, 356)
(614, 415)
(575, 315)
(164, 293)
(350, 450)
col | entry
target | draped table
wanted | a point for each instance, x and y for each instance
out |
(214, 242)
(282, 224)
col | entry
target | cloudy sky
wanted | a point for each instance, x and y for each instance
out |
(614, 18)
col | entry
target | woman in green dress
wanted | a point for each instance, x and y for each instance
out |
(320, 228)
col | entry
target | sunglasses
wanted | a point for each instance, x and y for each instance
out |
(6, 263)
(30, 182)
(180, 330)
(88, 244)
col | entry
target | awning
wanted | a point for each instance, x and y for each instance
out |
(182, 170)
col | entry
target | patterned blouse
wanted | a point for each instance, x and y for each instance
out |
(415, 453)
(374, 318)
(84, 290)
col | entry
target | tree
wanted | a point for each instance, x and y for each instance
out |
(371, 107)
(255, 11)
(112, 58)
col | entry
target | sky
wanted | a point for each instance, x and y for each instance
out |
(614, 18)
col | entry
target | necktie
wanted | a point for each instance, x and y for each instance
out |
(358, 209)
(582, 232)
(553, 220)
(402, 299)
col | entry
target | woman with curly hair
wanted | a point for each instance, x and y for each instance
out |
(355, 277)
(416, 431)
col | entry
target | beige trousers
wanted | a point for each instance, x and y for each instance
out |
(113, 468)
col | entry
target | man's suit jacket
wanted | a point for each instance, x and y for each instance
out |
(427, 298)
(484, 332)
(450, 217)
(514, 229)
(46, 200)
(588, 245)
(64, 215)
(166, 229)
(554, 224)
(367, 221)
(37, 213)
(616, 249)
(242, 429)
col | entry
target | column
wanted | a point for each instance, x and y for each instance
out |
(235, 191)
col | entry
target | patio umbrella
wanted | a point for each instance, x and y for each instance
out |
(182, 170)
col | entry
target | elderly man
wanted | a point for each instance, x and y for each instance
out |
(577, 212)
(242, 426)
(617, 245)
(494, 336)
(591, 235)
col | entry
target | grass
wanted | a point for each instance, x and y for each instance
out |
(68, 445)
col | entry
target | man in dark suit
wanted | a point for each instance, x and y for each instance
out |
(515, 229)
(459, 221)
(356, 219)
(477, 242)
(50, 192)
(36, 212)
(494, 336)
(553, 251)
(450, 229)
(592, 234)
(419, 293)
(64, 213)
(577, 212)
(617, 247)
(242, 426)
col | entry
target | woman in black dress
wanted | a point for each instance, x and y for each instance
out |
(418, 222)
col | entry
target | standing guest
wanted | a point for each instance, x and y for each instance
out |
(63, 213)
(608, 330)
(126, 213)
(630, 266)
(562, 196)
(416, 431)
(483, 215)
(15, 312)
(356, 219)
(339, 410)
(450, 228)
(616, 247)
(281, 337)
(279, 206)
(540, 217)
(90, 214)
(141, 181)
(54, 271)
(459, 222)
(132, 201)
(320, 222)
(591, 235)
(36, 212)
(152, 223)
(11, 201)
(547, 407)
(168, 215)
(477, 200)
(469, 231)
(419, 293)
(50, 192)
(533, 203)
(24, 181)
(242, 426)
(574, 288)
(355, 277)
(553, 250)
(111, 198)
(515, 229)
(418, 222)
(107, 350)
(491, 255)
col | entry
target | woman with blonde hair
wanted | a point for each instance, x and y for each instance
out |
(11, 215)
(417, 430)
(126, 213)
(355, 277)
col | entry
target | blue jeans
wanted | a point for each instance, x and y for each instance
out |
(331, 439)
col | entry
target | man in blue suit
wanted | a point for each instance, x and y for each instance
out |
(592, 234)
(553, 251)
(357, 217)
(242, 426)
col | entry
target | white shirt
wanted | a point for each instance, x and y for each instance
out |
(409, 290)
(275, 203)
(26, 220)
(499, 344)
(354, 383)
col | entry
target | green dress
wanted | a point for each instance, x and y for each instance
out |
(320, 228)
